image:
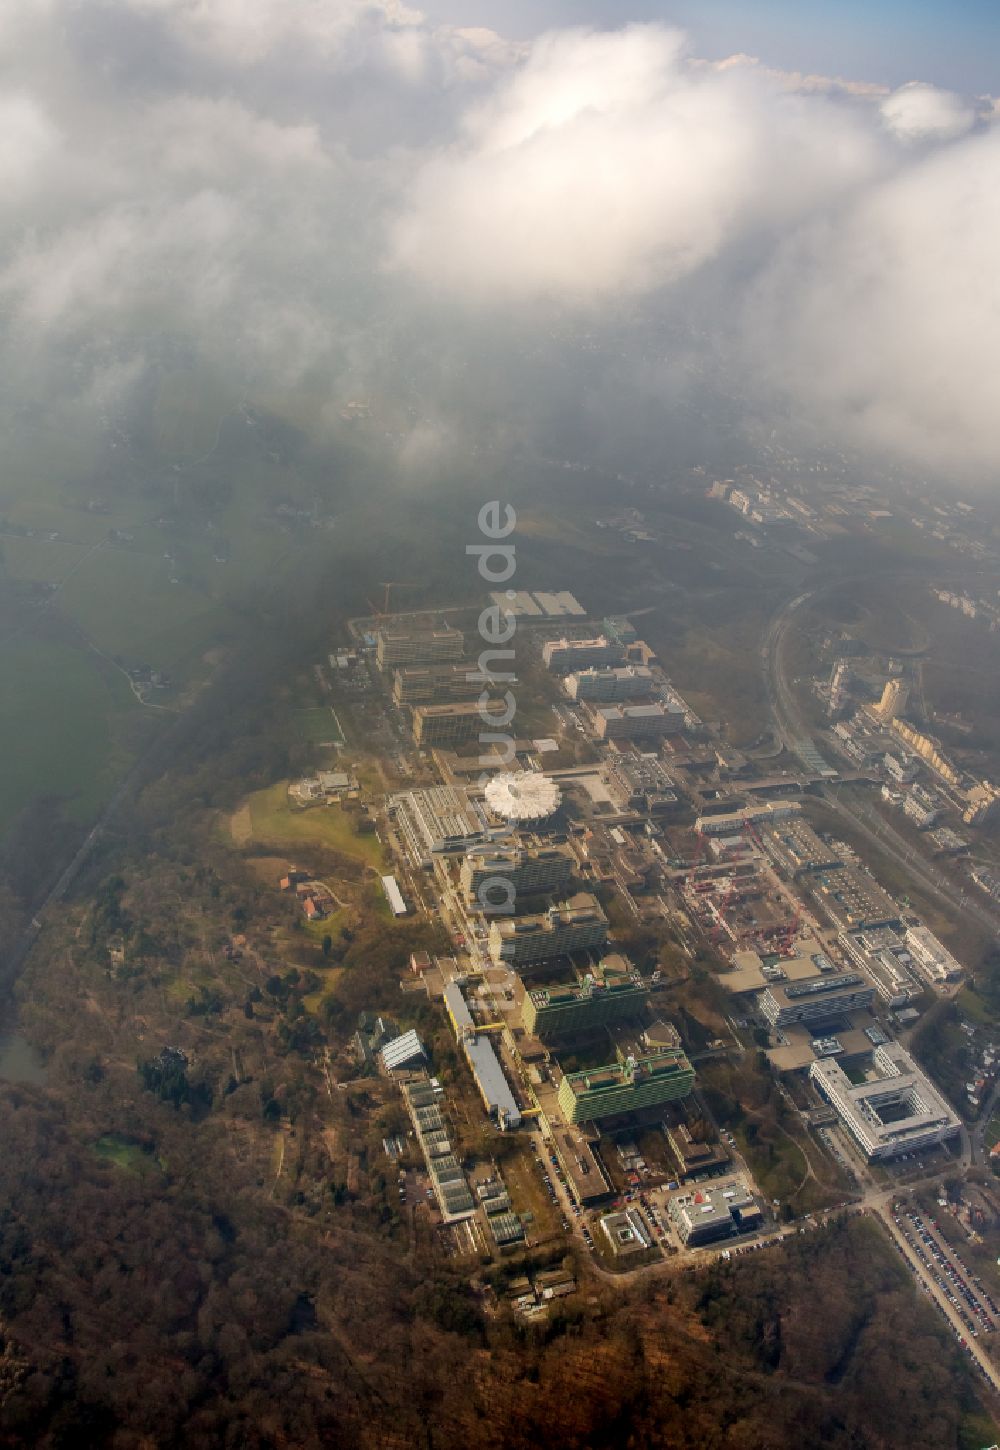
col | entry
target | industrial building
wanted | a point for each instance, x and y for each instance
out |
(714, 1213)
(625, 1087)
(449, 724)
(575, 925)
(395, 647)
(819, 1000)
(897, 1111)
(497, 875)
(563, 655)
(612, 992)
(797, 848)
(931, 957)
(493, 1086)
(637, 722)
(623, 682)
(426, 684)
(852, 899)
(434, 820)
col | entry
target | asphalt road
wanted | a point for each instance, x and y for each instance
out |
(794, 731)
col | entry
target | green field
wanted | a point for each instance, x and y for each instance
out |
(274, 822)
(319, 726)
(124, 1154)
(58, 713)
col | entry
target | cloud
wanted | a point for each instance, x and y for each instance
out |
(919, 112)
(335, 198)
(881, 320)
(604, 166)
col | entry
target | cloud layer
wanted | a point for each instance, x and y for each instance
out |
(322, 198)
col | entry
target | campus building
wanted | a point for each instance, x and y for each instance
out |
(625, 1087)
(506, 872)
(622, 682)
(931, 957)
(436, 819)
(575, 925)
(450, 724)
(613, 992)
(563, 655)
(818, 999)
(417, 647)
(897, 1111)
(494, 1089)
(427, 684)
(637, 722)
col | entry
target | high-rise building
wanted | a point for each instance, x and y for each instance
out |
(562, 655)
(637, 722)
(578, 924)
(515, 871)
(415, 647)
(427, 684)
(450, 724)
(613, 992)
(893, 701)
(625, 1087)
(623, 682)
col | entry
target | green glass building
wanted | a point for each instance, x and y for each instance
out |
(625, 1087)
(605, 996)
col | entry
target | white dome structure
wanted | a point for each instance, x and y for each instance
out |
(522, 796)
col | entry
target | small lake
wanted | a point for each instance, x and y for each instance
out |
(19, 1062)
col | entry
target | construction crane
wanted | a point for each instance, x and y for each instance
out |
(388, 586)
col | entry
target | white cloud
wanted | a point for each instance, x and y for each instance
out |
(317, 194)
(882, 321)
(603, 165)
(918, 112)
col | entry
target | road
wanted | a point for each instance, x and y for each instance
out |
(793, 729)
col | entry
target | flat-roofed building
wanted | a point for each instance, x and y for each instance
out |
(759, 813)
(563, 655)
(883, 955)
(796, 847)
(641, 783)
(612, 992)
(617, 682)
(449, 724)
(575, 925)
(625, 1087)
(637, 722)
(435, 820)
(819, 1000)
(481, 1056)
(853, 899)
(428, 684)
(897, 1110)
(931, 957)
(497, 875)
(694, 1159)
(417, 647)
(709, 1214)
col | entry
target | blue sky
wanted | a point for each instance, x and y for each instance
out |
(953, 44)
